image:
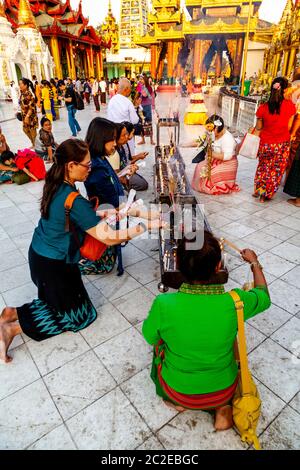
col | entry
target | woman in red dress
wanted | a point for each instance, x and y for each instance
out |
(273, 123)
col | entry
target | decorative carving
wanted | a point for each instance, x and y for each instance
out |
(5, 73)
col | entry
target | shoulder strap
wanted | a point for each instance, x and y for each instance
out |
(68, 206)
(245, 376)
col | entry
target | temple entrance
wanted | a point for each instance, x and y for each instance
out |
(19, 71)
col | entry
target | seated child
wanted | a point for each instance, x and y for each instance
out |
(45, 144)
(3, 144)
(7, 167)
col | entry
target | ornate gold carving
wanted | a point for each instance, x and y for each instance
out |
(5, 73)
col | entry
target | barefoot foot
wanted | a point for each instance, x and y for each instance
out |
(5, 341)
(142, 142)
(174, 407)
(9, 314)
(224, 418)
(294, 202)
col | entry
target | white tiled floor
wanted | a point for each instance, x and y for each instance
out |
(92, 390)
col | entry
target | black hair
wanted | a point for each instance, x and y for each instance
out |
(6, 155)
(129, 126)
(45, 82)
(29, 85)
(119, 129)
(100, 132)
(213, 118)
(277, 94)
(199, 265)
(44, 120)
(60, 83)
(72, 150)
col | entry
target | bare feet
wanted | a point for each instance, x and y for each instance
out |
(142, 142)
(152, 143)
(294, 202)
(262, 200)
(5, 341)
(223, 420)
(174, 407)
(255, 195)
(8, 314)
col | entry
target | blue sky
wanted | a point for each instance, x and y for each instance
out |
(271, 10)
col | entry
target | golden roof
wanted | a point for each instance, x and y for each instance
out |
(26, 18)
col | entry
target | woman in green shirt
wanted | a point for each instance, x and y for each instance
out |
(194, 332)
(63, 303)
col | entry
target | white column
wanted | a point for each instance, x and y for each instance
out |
(28, 70)
(14, 73)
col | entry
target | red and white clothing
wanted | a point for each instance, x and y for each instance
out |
(223, 172)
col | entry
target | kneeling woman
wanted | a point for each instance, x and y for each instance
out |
(193, 333)
(63, 303)
(224, 164)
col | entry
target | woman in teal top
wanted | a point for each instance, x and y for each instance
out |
(63, 303)
(194, 332)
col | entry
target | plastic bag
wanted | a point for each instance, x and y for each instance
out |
(250, 146)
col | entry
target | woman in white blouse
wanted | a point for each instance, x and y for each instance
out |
(224, 164)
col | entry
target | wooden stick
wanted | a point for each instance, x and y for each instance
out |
(232, 245)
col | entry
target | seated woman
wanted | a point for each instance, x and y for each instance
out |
(136, 181)
(7, 167)
(224, 164)
(3, 144)
(63, 303)
(194, 330)
(45, 144)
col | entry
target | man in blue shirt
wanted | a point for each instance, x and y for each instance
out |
(70, 100)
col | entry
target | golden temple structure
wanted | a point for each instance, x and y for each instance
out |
(210, 40)
(109, 30)
(283, 55)
(75, 46)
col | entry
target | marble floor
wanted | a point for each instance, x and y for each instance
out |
(92, 390)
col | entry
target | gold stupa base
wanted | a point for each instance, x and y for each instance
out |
(192, 119)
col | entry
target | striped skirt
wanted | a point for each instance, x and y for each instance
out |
(222, 180)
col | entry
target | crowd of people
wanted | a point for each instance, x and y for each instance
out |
(194, 366)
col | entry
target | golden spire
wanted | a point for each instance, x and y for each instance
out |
(2, 12)
(287, 12)
(26, 18)
(109, 7)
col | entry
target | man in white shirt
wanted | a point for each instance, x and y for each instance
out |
(78, 85)
(95, 92)
(120, 108)
(103, 88)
